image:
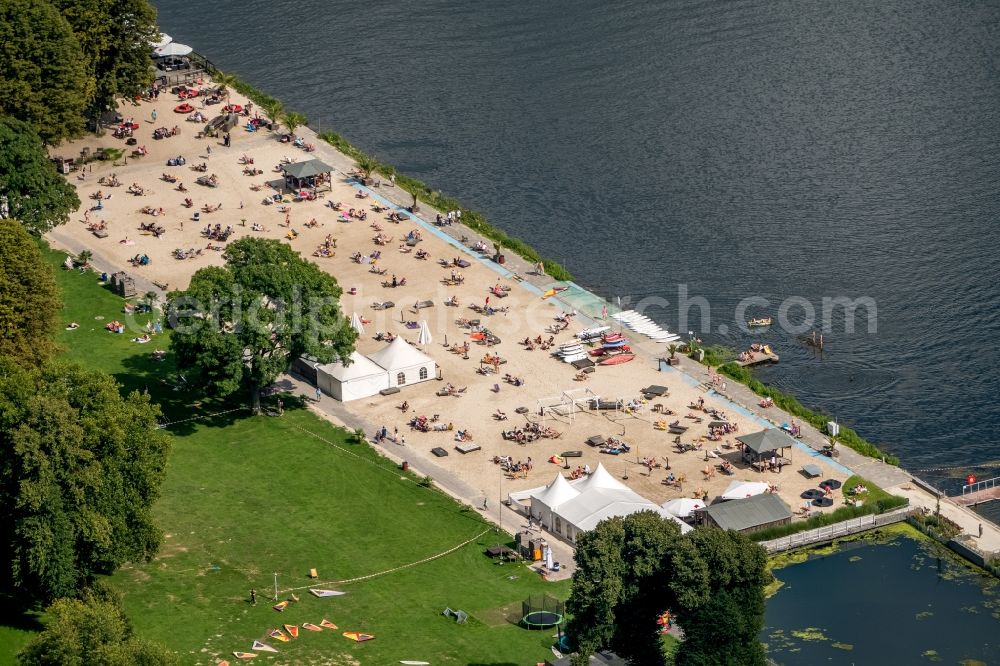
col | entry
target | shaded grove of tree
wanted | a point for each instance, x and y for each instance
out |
(630, 570)
(238, 327)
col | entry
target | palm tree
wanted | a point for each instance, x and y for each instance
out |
(225, 82)
(673, 350)
(273, 109)
(84, 258)
(367, 164)
(294, 120)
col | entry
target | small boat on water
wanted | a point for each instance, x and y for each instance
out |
(762, 321)
(617, 359)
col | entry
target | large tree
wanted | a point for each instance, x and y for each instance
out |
(31, 190)
(29, 297)
(43, 74)
(92, 631)
(240, 326)
(115, 36)
(632, 569)
(80, 467)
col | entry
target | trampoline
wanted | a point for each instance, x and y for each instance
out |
(822, 502)
(833, 484)
(541, 612)
(812, 494)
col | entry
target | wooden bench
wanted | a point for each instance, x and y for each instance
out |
(390, 390)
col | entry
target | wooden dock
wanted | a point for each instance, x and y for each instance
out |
(758, 358)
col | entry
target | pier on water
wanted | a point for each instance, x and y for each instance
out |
(979, 492)
(758, 358)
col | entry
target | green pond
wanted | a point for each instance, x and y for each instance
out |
(901, 599)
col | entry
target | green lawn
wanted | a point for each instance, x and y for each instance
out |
(247, 497)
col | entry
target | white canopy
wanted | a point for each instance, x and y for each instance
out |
(556, 493)
(599, 478)
(164, 40)
(683, 507)
(400, 355)
(356, 324)
(425, 334)
(172, 49)
(744, 489)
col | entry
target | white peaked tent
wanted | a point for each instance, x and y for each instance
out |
(545, 500)
(361, 379)
(404, 363)
(744, 489)
(567, 509)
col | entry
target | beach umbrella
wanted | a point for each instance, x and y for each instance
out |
(424, 338)
(549, 564)
(164, 40)
(172, 49)
(682, 507)
(356, 324)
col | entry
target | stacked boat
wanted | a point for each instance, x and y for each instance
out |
(570, 352)
(645, 326)
(612, 343)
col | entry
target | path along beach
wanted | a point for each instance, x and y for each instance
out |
(237, 201)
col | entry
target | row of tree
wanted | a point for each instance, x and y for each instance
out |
(631, 570)
(64, 60)
(80, 468)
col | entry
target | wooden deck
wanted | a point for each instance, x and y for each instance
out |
(759, 358)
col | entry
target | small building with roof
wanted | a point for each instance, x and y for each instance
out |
(748, 515)
(758, 447)
(311, 174)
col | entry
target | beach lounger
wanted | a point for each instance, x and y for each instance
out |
(439, 452)
(812, 471)
(596, 440)
(654, 390)
(383, 306)
(462, 263)
(468, 447)
(572, 454)
(423, 304)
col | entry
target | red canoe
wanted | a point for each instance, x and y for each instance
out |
(616, 359)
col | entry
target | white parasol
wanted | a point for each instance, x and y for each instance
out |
(172, 49)
(164, 40)
(425, 334)
(356, 324)
(683, 507)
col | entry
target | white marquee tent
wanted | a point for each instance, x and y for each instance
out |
(361, 379)
(567, 509)
(404, 363)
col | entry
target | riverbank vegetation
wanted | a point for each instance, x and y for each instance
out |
(791, 404)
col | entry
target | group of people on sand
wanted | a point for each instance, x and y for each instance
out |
(579, 472)
(514, 469)
(538, 342)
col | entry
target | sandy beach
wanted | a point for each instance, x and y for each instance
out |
(528, 315)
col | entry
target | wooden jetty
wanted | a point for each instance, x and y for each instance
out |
(978, 497)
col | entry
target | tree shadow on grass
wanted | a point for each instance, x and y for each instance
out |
(183, 407)
(13, 615)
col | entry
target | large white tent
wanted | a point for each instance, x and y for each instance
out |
(404, 363)
(360, 379)
(569, 508)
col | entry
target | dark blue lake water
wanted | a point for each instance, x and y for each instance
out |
(908, 602)
(753, 148)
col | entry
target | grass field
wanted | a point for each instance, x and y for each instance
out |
(247, 497)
